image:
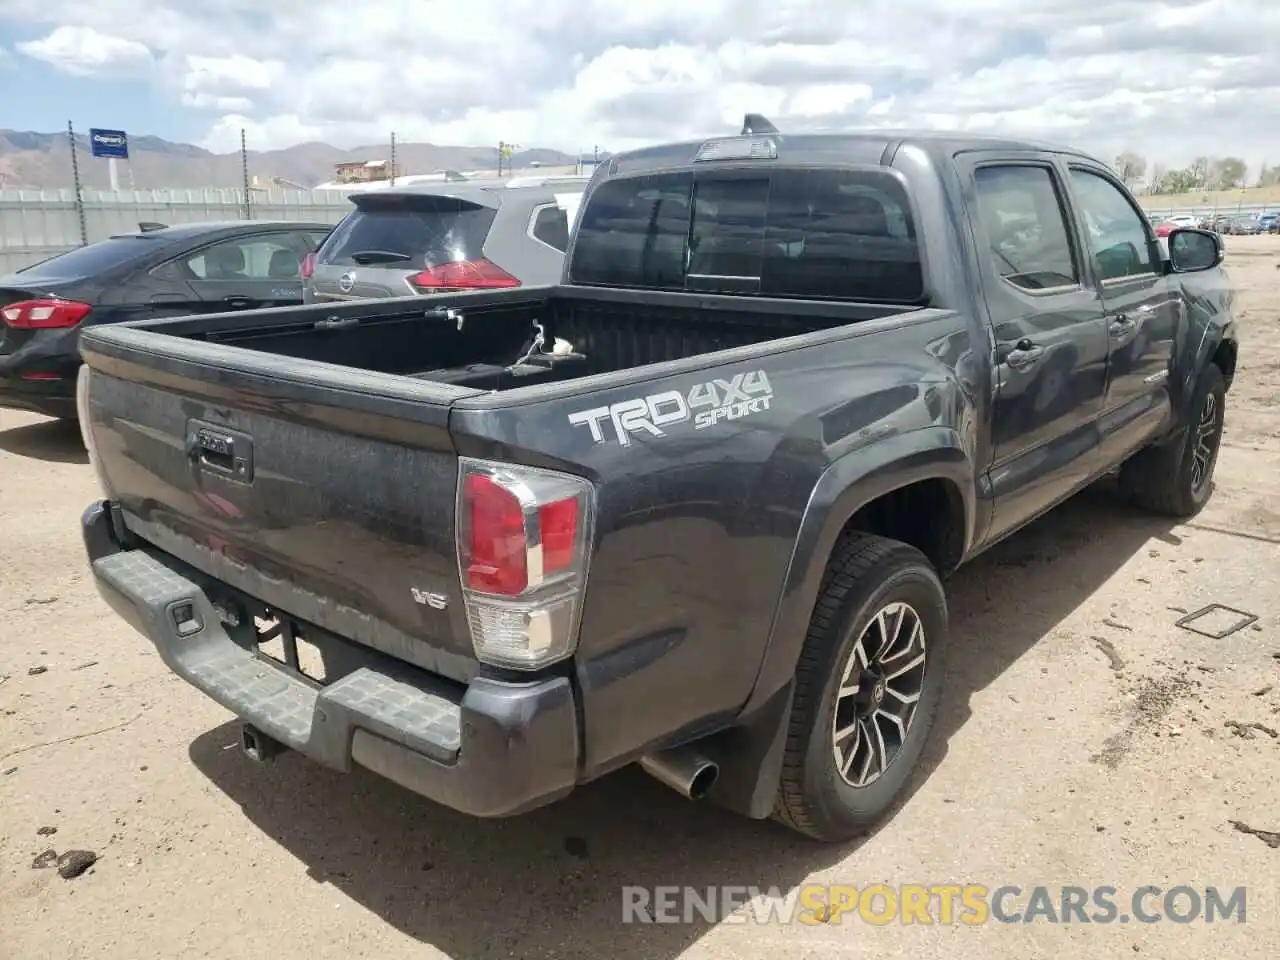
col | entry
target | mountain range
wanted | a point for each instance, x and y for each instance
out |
(43, 160)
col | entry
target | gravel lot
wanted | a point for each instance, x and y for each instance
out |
(1086, 740)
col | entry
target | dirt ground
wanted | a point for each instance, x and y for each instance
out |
(1086, 740)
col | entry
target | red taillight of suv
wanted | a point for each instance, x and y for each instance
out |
(308, 265)
(45, 314)
(524, 541)
(463, 275)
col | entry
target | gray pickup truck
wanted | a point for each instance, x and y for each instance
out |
(691, 507)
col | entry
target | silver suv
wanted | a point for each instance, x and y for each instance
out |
(437, 237)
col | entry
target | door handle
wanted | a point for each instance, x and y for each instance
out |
(1024, 354)
(238, 303)
(1122, 325)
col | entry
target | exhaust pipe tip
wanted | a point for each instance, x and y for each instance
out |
(703, 780)
(683, 770)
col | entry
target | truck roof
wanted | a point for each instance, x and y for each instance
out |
(858, 146)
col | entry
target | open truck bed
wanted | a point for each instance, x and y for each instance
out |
(308, 456)
(299, 474)
(486, 341)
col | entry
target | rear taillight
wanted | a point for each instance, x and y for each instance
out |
(50, 314)
(524, 543)
(308, 265)
(463, 275)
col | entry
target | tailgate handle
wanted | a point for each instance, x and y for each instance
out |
(218, 450)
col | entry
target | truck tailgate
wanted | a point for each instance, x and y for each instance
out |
(301, 496)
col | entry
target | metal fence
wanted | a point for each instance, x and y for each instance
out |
(1210, 209)
(37, 224)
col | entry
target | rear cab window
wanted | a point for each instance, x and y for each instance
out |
(838, 234)
(408, 231)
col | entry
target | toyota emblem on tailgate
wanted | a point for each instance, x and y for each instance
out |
(347, 281)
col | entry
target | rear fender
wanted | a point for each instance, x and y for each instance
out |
(847, 485)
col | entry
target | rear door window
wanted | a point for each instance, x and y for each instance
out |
(272, 257)
(409, 232)
(550, 225)
(1021, 213)
(810, 234)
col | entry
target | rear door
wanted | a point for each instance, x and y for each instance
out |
(243, 272)
(247, 272)
(1143, 308)
(390, 239)
(1050, 331)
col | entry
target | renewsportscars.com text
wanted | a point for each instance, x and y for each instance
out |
(944, 903)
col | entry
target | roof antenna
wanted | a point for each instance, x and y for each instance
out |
(757, 123)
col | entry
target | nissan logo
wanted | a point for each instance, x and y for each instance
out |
(347, 281)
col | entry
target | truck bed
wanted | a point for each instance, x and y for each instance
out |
(485, 341)
(308, 457)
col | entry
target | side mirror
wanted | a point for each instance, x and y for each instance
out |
(1192, 250)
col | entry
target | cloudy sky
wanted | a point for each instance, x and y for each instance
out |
(1170, 80)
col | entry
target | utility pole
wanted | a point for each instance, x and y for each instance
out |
(244, 175)
(393, 158)
(501, 149)
(75, 176)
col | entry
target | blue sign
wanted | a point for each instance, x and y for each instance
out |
(113, 144)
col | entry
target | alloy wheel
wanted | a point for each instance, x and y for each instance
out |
(880, 688)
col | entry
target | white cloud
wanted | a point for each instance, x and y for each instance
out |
(84, 52)
(1168, 78)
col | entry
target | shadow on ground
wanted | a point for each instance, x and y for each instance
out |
(551, 881)
(57, 441)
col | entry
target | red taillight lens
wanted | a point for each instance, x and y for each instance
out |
(559, 527)
(497, 549)
(463, 275)
(50, 314)
(308, 265)
(498, 544)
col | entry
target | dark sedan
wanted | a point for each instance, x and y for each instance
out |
(157, 271)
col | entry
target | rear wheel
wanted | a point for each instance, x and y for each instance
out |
(867, 689)
(1176, 480)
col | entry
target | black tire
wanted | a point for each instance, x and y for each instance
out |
(865, 574)
(1165, 480)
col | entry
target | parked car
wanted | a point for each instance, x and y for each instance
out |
(1241, 224)
(1269, 222)
(154, 272)
(406, 241)
(690, 507)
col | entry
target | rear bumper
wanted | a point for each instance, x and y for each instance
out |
(53, 398)
(495, 750)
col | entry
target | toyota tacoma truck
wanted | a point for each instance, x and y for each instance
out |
(693, 506)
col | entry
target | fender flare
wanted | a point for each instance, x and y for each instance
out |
(847, 485)
(1187, 375)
